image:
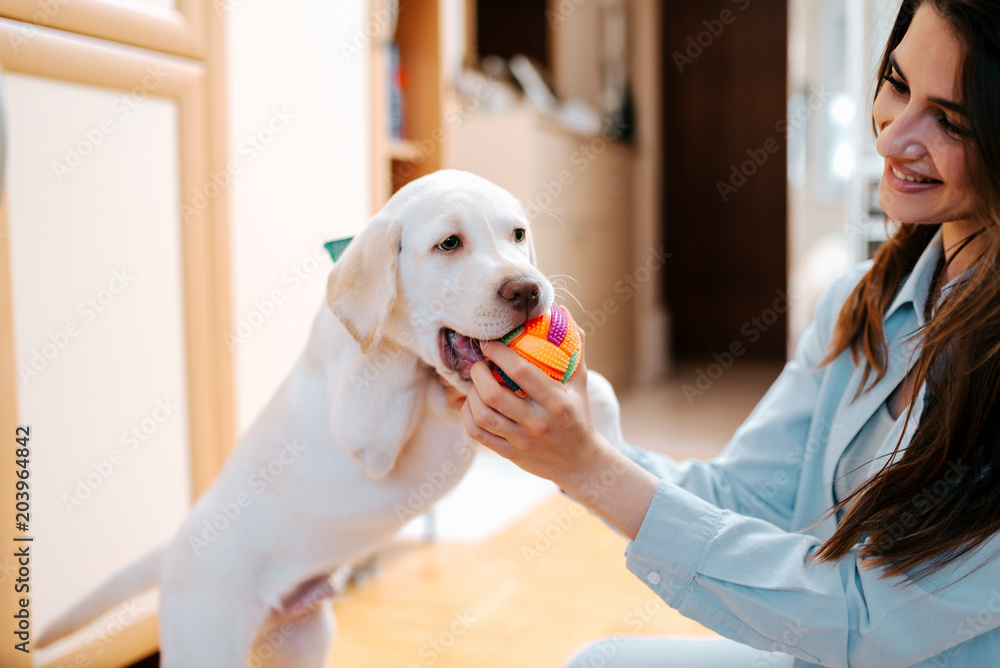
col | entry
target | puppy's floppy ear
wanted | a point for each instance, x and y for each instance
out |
(361, 288)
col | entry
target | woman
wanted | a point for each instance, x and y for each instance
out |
(852, 519)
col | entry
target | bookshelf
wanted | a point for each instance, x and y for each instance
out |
(397, 161)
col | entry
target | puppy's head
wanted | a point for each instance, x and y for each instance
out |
(447, 263)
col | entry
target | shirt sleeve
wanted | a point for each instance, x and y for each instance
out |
(751, 581)
(757, 473)
(716, 545)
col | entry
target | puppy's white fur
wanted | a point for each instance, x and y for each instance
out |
(355, 427)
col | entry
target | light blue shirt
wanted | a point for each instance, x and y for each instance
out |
(727, 542)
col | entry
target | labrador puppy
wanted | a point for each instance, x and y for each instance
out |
(327, 472)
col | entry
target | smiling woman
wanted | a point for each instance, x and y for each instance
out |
(935, 115)
(854, 518)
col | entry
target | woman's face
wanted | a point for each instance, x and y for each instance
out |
(922, 131)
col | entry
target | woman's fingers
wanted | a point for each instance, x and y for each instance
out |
(536, 383)
(495, 395)
(487, 426)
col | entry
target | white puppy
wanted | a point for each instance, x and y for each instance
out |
(357, 424)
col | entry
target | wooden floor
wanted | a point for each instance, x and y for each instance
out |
(528, 597)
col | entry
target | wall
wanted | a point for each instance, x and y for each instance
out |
(298, 124)
(576, 63)
(829, 229)
(652, 317)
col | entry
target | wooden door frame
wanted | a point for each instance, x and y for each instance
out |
(180, 31)
(195, 87)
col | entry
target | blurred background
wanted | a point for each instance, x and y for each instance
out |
(695, 174)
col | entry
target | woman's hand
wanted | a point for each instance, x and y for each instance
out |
(550, 434)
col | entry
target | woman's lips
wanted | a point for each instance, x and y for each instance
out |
(896, 177)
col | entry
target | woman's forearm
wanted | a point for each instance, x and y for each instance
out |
(616, 488)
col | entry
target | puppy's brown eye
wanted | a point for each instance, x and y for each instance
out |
(450, 244)
(519, 234)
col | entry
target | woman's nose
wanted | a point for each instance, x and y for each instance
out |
(901, 138)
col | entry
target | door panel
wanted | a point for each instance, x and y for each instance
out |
(98, 327)
(724, 125)
(172, 26)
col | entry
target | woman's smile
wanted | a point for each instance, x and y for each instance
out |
(907, 181)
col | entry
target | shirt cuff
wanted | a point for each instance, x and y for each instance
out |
(675, 532)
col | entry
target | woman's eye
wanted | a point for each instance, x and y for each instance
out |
(450, 244)
(951, 129)
(896, 84)
(519, 234)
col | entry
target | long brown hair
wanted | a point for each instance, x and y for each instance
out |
(940, 498)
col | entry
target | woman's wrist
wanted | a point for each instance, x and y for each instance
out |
(614, 487)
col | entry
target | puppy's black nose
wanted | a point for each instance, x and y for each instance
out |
(522, 295)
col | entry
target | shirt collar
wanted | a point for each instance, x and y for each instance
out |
(917, 284)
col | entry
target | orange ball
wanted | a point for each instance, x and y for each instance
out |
(552, 342)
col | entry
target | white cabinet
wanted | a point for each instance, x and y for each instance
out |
(113, 307)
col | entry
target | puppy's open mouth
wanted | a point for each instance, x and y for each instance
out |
(459, 352)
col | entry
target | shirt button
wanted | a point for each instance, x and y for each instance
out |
(653, 578)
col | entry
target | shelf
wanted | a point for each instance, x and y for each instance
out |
(404, 151)
(418, 37)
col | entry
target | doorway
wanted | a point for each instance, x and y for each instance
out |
(725, 186)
